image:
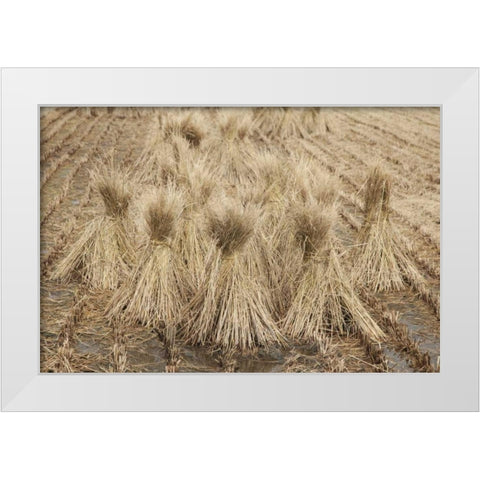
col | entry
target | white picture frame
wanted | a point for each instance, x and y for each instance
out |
(454, 388)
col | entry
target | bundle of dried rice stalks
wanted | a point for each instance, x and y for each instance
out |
(230, 309)
(186, 127)
(280, 188)
(159, 166)
(198, 186)
(104, 253)
(282, 264)
(310, 185)
(271, 178)
(151, 294)
(379, 262)
(311, 121)
(198, 181)
(232, 162)
(324, 301)
(168, 160)
(272, 122)
(268, 167)
(234, 124)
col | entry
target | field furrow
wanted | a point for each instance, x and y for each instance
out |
(377, 133)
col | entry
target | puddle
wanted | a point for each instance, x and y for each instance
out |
(149, 356)
(396, 363)
(422, 324)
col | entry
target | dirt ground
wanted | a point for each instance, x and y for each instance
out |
(76, 337)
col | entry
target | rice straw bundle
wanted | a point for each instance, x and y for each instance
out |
(164, 162)
(268, 121)
(310, 185)
(160, 166)
(379, 262)
(152, 294)
(324, 301)
(104, 253)
(312, 121)
(198, 181)
(170, 161)
(230, 309)
(282, 187)
(187, 128)
(282, 263)
(278, 256)
(271, 179)
(266, 186)
(234, 124)
(193, 240)
(231, 162)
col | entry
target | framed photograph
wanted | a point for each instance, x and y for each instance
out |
(240, 239)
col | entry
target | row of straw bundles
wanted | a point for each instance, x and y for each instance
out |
(226, 302)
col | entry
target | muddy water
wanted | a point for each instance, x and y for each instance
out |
(422, 324)
(396, 363)
(150, 357)
(294, 357)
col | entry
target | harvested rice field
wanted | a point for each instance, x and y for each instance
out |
(240, 239)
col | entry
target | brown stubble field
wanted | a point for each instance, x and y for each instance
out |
(240, 240)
